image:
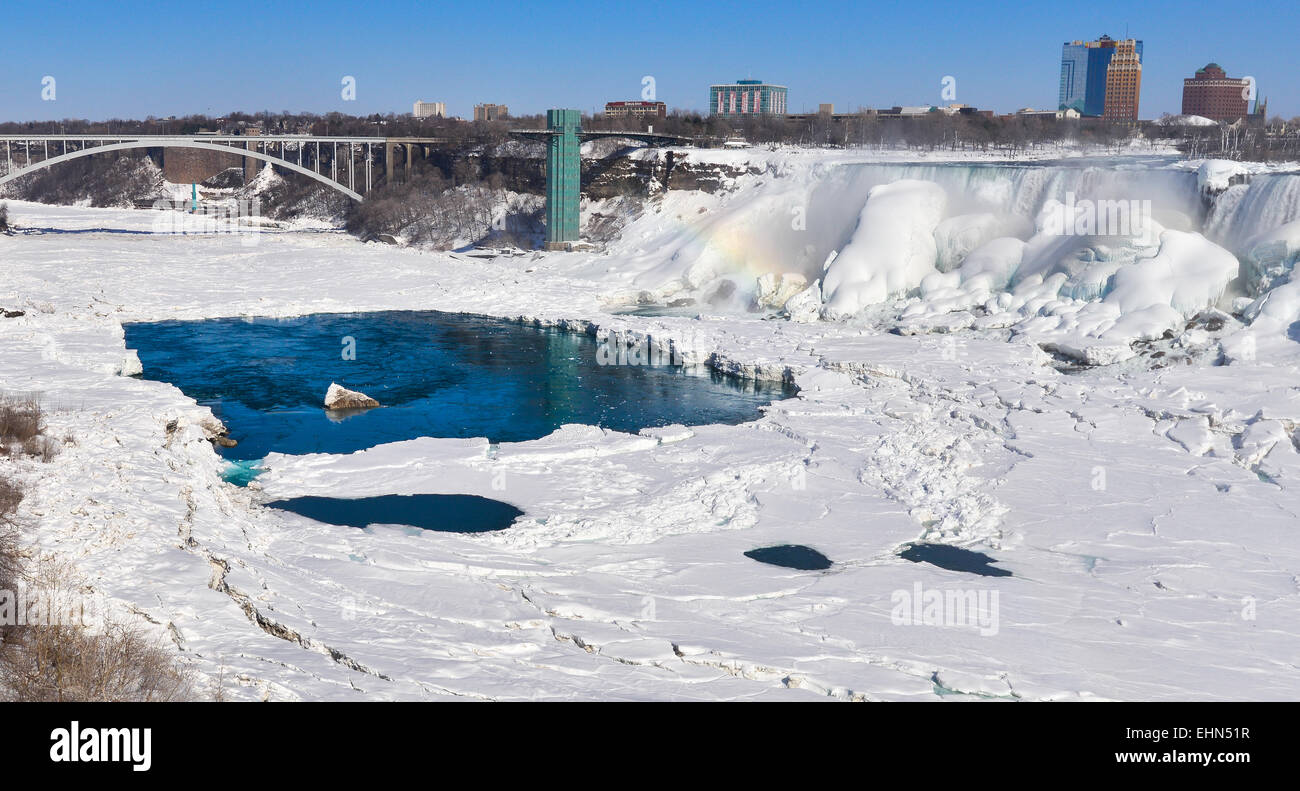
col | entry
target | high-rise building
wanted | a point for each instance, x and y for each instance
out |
(636, 109)
(430, 110)
(1124, 82)
(1213, 94)
(490, 112)
(747, 97)
(1085, 70)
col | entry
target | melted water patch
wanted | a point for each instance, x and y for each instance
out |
(242, 471)
(953, 559)
(435, 375)
(791, 556)
(444, 513)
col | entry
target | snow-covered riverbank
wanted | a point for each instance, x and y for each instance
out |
(1149, 517)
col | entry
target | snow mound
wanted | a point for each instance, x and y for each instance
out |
(1215, 175)
(1188, 275)
(892, 249)
(1187, 120)
(997, 261)
(956, 237)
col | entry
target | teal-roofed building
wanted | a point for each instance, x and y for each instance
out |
(747, 97)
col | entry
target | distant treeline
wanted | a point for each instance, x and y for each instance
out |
(938, 130)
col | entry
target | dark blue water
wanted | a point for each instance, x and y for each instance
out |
(791, 556)
(953, 559)
(449, 513)
(435, 374)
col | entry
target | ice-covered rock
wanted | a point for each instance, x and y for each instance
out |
(1188, 274)
(1088, 241)
(891, 250)
(1274, 320)
(805, 307)
(1215, 175)
(339, 397)
(774, 290)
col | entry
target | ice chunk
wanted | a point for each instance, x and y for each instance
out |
(805, 307)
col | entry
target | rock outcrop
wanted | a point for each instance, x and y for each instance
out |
(339, 397)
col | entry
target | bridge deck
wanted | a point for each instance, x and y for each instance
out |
(162, 140)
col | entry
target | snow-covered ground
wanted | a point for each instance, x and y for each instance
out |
(1149, 516)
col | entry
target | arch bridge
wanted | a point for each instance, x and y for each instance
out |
(345, 164)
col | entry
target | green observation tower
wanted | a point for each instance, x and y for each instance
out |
(563, 137)
(563, 174)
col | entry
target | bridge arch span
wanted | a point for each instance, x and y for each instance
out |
(160, 143)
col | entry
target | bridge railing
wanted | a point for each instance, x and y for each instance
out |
(298, 152)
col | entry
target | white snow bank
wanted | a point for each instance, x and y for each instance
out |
(1187, 120)
(1188, 275)
(1148, 296)
(1272, 318)
(892, 249)
(997, 261)
(1215, 175)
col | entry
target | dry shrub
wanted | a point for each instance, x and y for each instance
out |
(10, 496)
(43, 448)
(22, 426)
(71, 662)
(21, 419)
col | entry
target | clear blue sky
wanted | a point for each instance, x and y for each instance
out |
(132, 59)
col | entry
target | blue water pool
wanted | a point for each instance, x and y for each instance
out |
(435, 374)
(953, 559)
(447, 513)
(791, 556)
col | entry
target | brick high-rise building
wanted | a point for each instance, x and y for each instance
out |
(1123, 82)
(1213, 94)
(490, 112)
